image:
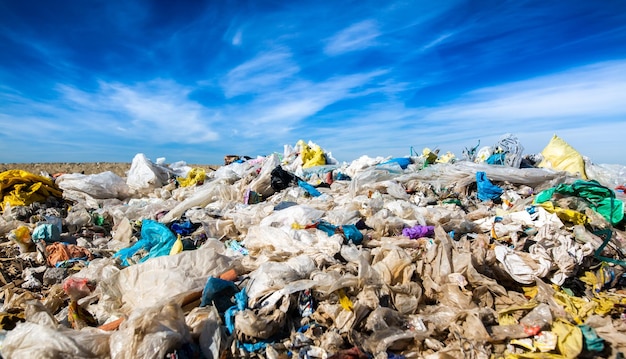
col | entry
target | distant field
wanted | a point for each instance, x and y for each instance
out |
(119, 168)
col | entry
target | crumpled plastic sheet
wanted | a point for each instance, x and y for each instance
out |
(149, 283)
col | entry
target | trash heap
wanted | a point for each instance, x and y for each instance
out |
(498, 254)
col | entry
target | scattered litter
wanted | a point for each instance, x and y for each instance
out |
(293, 254)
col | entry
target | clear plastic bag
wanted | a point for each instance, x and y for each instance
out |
(150, 333)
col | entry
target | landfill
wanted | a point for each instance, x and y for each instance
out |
(490, 254)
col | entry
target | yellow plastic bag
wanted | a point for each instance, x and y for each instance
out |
(177, 247)
(21, 236)
(559, 155)
(195, 176)
(344, 300)
(566, 214)
(570, 338)
(429, 156)
(21, 188)
(311, 156)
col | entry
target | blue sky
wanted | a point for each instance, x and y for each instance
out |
(99, 81)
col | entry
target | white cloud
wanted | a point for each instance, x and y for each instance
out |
(260, 74)
(159, 111)
(284, 107)
(155, 112)
(438, 40)
(583, 105)
(589, 92)
(359, 36)
(237, 38)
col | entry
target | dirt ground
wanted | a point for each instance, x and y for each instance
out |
(119, 168)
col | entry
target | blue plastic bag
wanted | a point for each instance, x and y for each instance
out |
(403, 162)
(156, 239)
(487, 190)
(309, 188)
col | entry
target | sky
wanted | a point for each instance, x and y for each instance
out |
(193, 81)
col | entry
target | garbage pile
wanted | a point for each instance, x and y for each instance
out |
(495, 254)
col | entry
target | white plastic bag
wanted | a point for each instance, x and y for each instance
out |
(150, 333)
(101, 185)
(144, 175)
(30, 340)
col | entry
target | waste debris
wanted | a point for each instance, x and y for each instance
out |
(494, 254)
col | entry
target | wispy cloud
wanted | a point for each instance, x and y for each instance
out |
(264, 72)
(580, 105)
(276, 111)
(154, 112)
(438, 40)
(158, 111)
(359, 36)
(593, 91)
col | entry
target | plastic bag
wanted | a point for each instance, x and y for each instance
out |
(21, 236)
(312, 155)
(299, 214)
(144, 175)
(30, 340)
(150, 333)
(205, 323)
(148, 283)
(194, 177)
(204, 195)
(609, 175)
(520, 265)
(487, 190)
(510, 146)
(272, 276)
(102, 185)
(559, 155)
(262, 184)
(21, 188)
(156, 239)
(47, 232)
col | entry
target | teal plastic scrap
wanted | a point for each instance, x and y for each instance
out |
(156, 239)
(601, 199)
(593, 342)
